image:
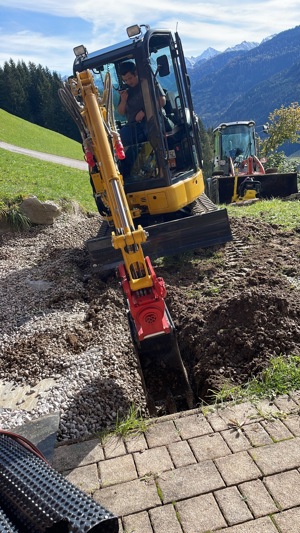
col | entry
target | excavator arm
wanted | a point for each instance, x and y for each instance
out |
(151, 326)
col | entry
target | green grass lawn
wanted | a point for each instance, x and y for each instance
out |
(276, 211)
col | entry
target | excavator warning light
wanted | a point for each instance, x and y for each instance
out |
(80, 51)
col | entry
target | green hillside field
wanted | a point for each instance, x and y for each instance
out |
(23, 176)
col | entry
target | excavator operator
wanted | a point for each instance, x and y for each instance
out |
(131, 105)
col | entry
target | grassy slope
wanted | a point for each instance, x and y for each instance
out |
(22, 175)
(15, 130)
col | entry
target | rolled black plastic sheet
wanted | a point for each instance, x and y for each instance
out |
(6, 526)
(36, 498)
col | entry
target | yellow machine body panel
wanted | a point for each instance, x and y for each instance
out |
(168, 199)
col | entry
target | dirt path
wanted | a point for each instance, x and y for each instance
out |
(74, 163)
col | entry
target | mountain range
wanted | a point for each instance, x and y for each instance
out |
(248, 81)
(212, 52)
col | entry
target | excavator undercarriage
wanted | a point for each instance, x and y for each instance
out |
(159, 207)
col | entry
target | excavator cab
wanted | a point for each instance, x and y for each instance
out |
(234, 142)
(171, 153)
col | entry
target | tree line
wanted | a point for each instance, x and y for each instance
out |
(31, 93)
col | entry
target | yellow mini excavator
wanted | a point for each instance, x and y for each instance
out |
(158, 207)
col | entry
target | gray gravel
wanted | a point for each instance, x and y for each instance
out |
(60, 322)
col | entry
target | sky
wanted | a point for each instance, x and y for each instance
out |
(45, 31)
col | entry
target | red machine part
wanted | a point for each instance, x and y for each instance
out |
(147, 306)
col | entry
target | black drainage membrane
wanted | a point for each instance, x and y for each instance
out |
(35, 498)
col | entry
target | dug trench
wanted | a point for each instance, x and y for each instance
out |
(234, 307)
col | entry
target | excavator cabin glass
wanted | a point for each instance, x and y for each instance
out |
(233, 140)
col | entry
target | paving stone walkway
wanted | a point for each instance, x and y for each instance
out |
(235, 469)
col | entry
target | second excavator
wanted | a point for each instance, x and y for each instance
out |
(157, 207)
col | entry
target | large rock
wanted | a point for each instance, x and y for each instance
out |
(40, 212)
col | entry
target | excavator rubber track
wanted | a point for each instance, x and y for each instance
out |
(202, 225)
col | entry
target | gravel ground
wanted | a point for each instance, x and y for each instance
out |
(59, 322)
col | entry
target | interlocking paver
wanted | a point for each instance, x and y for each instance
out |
(209, 447)
(292, 422)
(86, 478)
(237, 468)
(216, 421)
(257, 435)
(117, 470)
(155, 460)
(70, 456)
(275, 458)
(181, 454)
(192, 426)
(288, 521)
(128, 498)
(136, 443)
(258, 498)
(114, 447)
(200, 514)
(137, 523)
(266, 407)
(277, 430)
(223, 491)
(240, 413)
(189, 481)
(285, 403)
(261, 525)
(161, 434)
(165, 519)
(233, 507)
(285, 488)
(236, 439)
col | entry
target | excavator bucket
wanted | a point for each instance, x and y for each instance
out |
(209, 227)
(272, 185)
(163, 374)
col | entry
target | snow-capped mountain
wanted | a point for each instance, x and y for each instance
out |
(209, 53)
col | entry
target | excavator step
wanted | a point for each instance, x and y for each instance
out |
(209, 227)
